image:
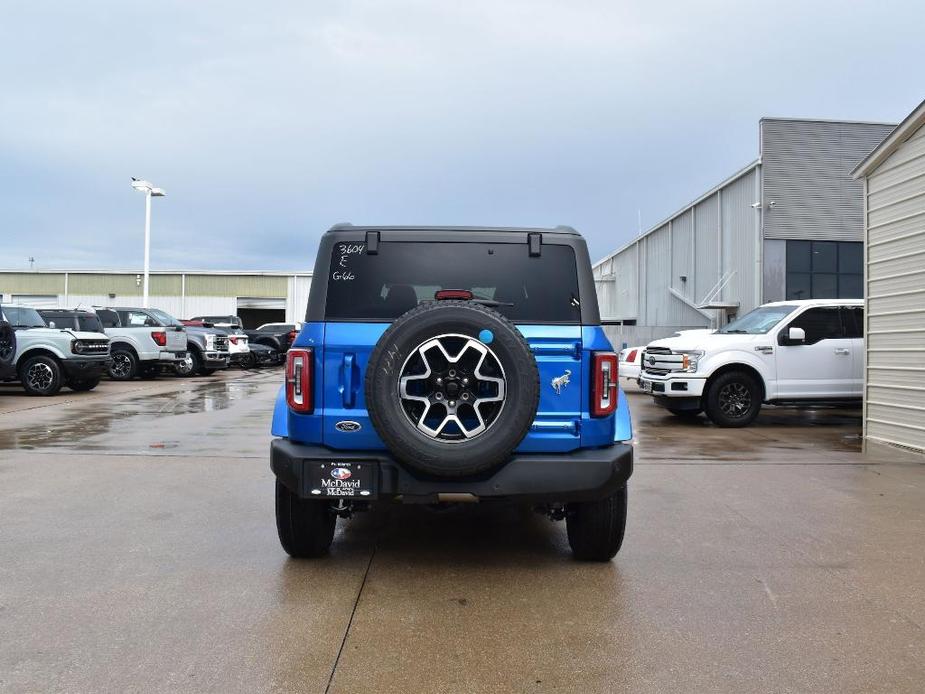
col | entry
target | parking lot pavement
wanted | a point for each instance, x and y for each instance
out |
(138, 553)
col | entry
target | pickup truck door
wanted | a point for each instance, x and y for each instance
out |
(822, 366)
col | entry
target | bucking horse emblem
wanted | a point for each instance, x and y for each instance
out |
(559, 382)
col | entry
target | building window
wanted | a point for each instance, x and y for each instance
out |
(825, 270)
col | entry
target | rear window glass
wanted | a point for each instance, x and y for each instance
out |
(401, 275)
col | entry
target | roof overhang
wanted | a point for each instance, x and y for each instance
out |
(891, 143)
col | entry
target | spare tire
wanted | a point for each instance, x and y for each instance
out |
(452, 388)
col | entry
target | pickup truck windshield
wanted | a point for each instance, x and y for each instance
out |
(759, 321)
(19, 317)
(383, 286)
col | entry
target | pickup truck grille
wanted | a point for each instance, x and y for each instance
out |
(659, 361)
(221, 343)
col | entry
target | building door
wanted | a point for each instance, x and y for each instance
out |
(255, 311)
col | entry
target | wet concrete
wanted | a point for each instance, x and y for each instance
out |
(776, 558)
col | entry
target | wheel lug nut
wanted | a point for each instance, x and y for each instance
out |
(465, 396)
(439, 380)
(452, 403)
(439, 396)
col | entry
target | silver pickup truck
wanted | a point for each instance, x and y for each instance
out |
(143, 340)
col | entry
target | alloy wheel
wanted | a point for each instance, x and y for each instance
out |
(40, 376)
(735, 400)
(452, 388)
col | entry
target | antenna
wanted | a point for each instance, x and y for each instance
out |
(639, 220)
(31, 263)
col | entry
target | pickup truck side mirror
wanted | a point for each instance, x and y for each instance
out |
(796, 336)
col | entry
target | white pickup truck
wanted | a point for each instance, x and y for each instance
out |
(782, 353)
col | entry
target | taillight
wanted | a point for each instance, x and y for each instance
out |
(160, 338)
(460, 294)
(631, 357)
(603, 384)
(299, 368)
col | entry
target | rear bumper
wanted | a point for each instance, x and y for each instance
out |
(170, 357)
(582, 475)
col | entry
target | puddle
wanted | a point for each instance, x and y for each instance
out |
(79, 423)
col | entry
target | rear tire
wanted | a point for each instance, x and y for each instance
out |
(124, 365)
(41, 375)
(305, 527)
(596, 528)
(82, 386)
(733, 399)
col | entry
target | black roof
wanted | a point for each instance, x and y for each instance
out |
(346, 226)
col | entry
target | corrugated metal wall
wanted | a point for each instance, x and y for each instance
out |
(806, 170)
(894, 403)
(714, 236)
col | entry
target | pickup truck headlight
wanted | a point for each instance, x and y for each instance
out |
(691, 360)
(210, 341)
(77, 347)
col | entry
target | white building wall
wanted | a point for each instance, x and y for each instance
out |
(894, 402)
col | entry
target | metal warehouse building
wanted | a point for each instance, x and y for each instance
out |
(257, 297)
(894, 195)
(788, 225)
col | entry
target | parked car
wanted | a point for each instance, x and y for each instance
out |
(261, 355)
(143, 340)
(225, 321)
(238, 343)
(278, 336)
(444, 365)
(206, 351)
(7, 349)
(629, 362)
(782, 353)
(46, 359)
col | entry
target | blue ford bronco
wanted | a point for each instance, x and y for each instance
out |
(447, 365)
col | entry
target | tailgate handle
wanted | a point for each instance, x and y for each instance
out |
(349, 359)
(572, 349)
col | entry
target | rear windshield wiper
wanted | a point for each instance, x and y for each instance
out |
(735, 332)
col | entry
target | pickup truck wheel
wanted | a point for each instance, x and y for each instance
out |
(82, 385)
(124, 365)
(733, 399)
(595, 528)
(41, 375)
(452, 388)
(185, 367)
(305, 527)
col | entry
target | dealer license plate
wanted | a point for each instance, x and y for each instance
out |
(343, 479)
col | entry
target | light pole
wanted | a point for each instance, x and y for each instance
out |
(150, 191)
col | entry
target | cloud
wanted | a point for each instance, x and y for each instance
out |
(267, 123)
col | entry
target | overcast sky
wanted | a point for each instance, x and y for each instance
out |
(266, 122)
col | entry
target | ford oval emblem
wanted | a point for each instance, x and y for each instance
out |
(348, 426)
(341, 473)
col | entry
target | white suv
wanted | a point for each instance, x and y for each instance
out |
(783, 353)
